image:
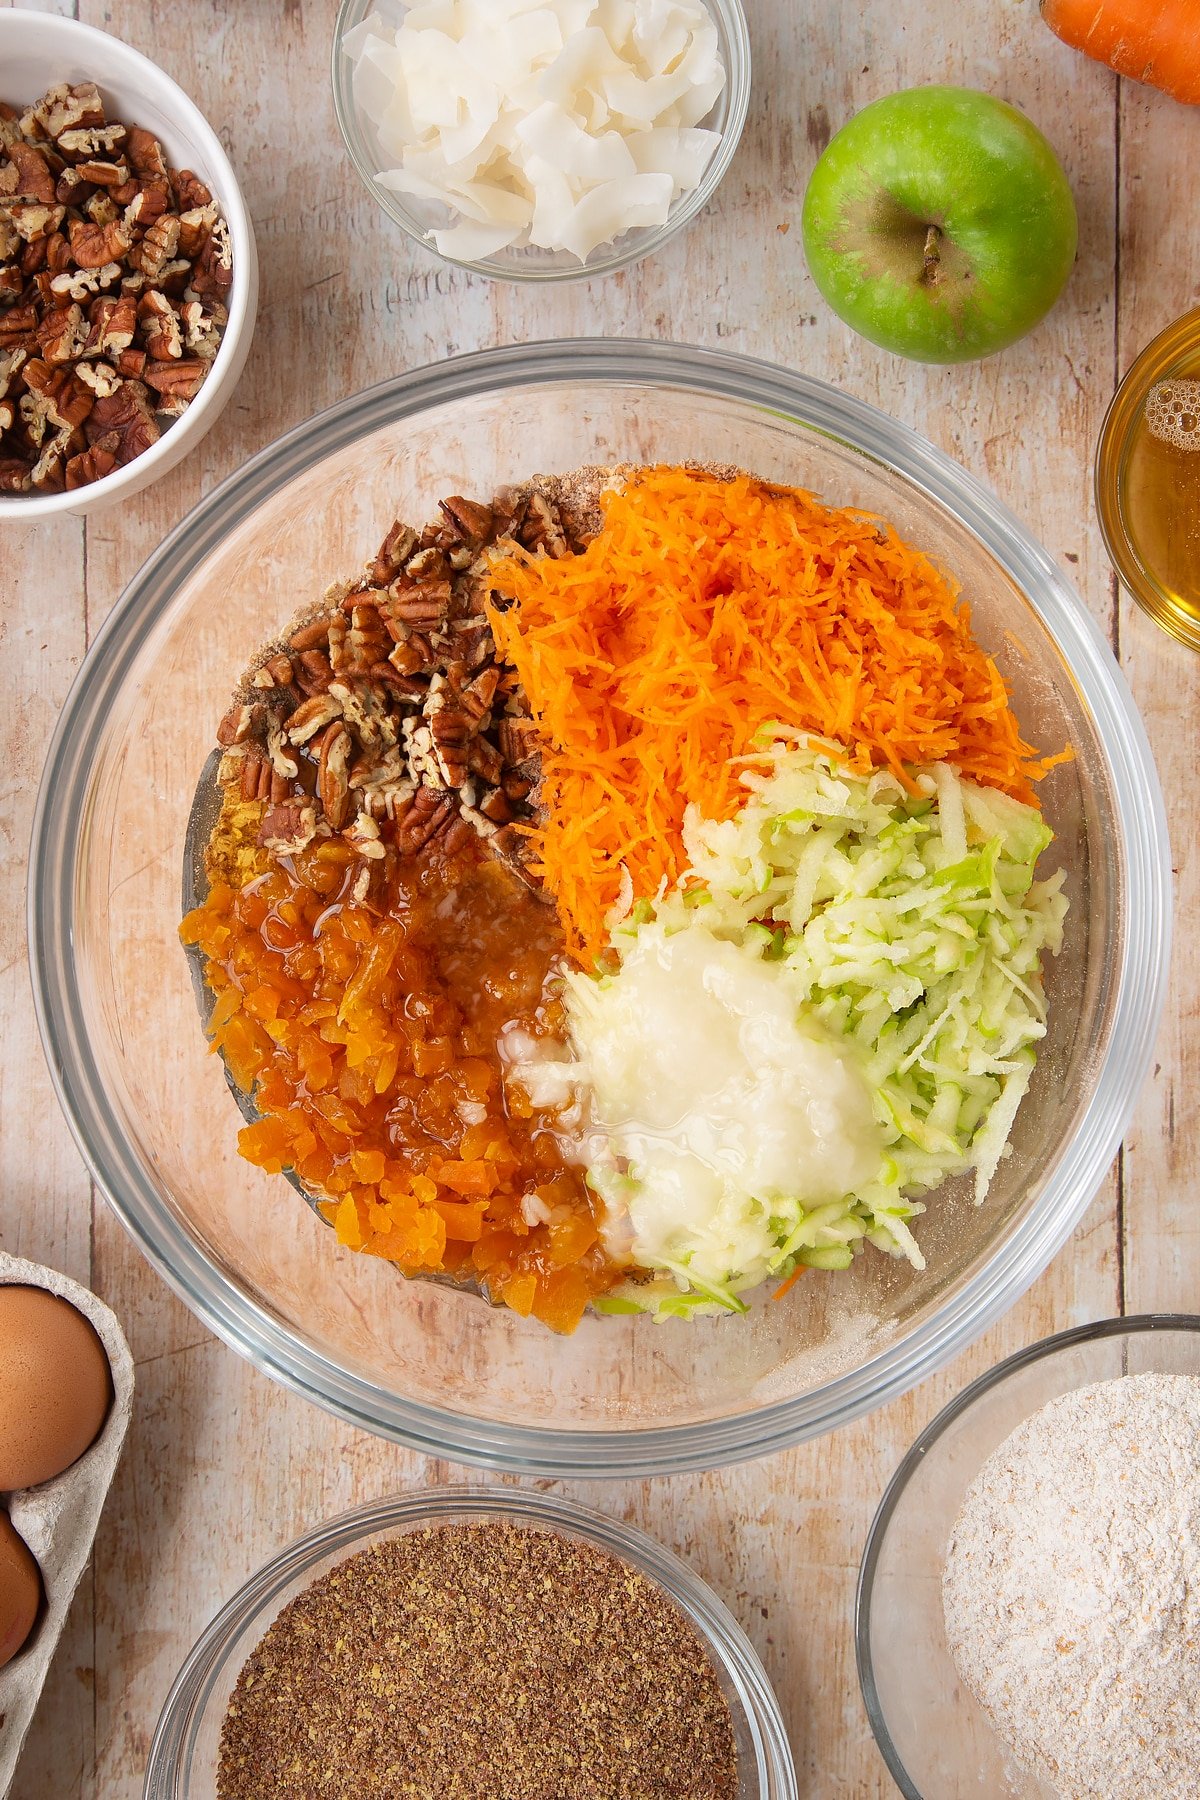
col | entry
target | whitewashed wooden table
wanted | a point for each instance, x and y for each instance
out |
(222, 1466)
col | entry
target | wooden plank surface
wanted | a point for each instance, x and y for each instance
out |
(222, 1466)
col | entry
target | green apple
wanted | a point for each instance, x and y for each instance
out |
(939, 223)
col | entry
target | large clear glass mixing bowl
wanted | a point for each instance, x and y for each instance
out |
(436, 1368)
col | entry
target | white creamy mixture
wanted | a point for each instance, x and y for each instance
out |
(1072, 1590)
(719, 1101)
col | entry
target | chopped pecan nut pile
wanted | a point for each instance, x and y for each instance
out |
(114, 276)
(384, 715)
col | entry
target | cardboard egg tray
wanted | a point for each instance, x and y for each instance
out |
(59, 1519)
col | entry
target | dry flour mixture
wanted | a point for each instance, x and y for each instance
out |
(1072, 1590)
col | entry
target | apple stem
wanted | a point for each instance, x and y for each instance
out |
(932, 264)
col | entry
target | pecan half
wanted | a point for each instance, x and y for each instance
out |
(14, 475)
(190, 190)
(62, 334)
(542, 527)
(131, 364)
(92, 245)
(420, 818)
(195, 229)
(176, 383)
(213, 273)
(275, 672)
(518, 740)
(11, 363)
(48, 472)
(66, 398)
(310, 637)
(122, 422)
(35, 179)
(18, 328)
(113, 321)
(282, 758)
(470, 521)
(450, 732)
(333, 784)
(90, 465)
(151, 200)
(313, 672)
(235, 726)
(419, 598)
(201, 332)
(311, 717)
(145, 154)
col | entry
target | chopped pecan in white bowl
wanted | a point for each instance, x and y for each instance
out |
(128, 272)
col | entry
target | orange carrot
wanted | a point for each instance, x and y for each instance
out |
(702, 611)
(785, 1287)
(1157, 41)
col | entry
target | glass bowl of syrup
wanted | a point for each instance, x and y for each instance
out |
(1148, 479)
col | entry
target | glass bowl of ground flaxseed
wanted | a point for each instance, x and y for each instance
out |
(1028, 1621)
(479, 1645)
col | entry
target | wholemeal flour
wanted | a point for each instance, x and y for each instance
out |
(1072, 1590)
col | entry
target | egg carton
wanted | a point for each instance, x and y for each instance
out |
(59, 1519)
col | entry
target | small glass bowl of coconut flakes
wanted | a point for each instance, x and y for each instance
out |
(541, 140)
(1028, 1619)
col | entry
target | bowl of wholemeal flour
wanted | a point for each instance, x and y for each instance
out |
(1029, 1606)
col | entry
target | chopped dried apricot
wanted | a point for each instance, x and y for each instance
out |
(369, 1037)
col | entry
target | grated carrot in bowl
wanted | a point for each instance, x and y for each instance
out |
(701, 611)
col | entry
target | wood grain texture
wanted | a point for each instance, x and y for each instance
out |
(222, 1466)
(1160, 264)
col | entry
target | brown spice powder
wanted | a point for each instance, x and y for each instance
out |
(232, 854)
(479, 1662)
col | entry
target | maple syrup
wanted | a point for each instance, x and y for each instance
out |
(1148, 480)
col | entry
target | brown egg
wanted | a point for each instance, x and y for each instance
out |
(20, 1591)
(55, 1386)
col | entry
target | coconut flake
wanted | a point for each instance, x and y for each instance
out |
(559, 125)
(614, 206)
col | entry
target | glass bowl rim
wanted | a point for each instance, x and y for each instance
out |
(727, 1642)
(642, 240)
(556, 1451)
(1133, 1325)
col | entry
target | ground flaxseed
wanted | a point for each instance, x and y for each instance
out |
(479, 1662)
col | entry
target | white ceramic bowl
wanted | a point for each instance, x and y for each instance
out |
(39, 49)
